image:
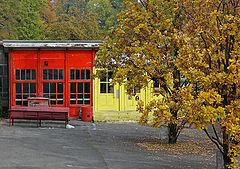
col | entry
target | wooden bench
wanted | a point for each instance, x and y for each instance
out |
(38, 113)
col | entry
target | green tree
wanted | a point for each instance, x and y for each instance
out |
(29, 25)
(107, 11)
(8, 16)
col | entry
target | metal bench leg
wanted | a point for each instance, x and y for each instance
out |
(10, 115)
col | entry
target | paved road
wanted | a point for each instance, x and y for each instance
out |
(87, 146)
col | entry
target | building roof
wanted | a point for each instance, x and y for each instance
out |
(51, 43)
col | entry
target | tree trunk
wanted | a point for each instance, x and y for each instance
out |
(172, 133)
(226, 159)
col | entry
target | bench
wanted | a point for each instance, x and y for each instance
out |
(38, 113)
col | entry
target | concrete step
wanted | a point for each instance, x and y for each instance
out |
(117, 116)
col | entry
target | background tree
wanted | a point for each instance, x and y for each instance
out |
(21, 19)
(143, 48)
(107, 11)
(74, 21)
(29, 24)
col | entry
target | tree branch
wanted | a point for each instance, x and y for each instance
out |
(213, 141)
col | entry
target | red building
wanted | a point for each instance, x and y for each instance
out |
(58, 70)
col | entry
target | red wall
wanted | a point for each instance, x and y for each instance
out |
(55, 59)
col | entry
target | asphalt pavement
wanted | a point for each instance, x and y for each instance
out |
(87, 146)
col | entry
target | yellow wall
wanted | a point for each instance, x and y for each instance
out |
(118, 106)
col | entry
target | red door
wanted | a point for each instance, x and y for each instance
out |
(80, 67)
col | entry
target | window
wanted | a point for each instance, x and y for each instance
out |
(80, 74)
(137, 90)
(24, 89)
(156, 86)
(53, 74)
(80, 86)
(4, 81)
(53, 91)
(25, 74)
(105, 82)
(80, 93)
(53, 85)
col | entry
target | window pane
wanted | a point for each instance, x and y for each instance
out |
(45, 74)
(55, 74)
(80, 87)
(18, 88)
(73, 99)
(103, 88)
(110, 88)
(73, 88)
(80, 99)
(60, 96)
(60, 87)
(77, 74)
(87, 74)
(87, 99)
(52, 102)
(156, 84)
(82, 74)
(86, 87)
(60, 74)
(53, 96)
(50, 73)
(23, 74)
(59, 101)
(25, 87)
(53, 99)
(110, 76)
(45, 87)
(28, 74)
(46, 95)
(103, 76)
(1, 69)
(5, 84)
(137, 90)
(52, 87)
(18, 97)
(33, 74)
(18, 102)
(25, 97)
(32, 87)
(5, 68)
(72, 74)
(17, 76)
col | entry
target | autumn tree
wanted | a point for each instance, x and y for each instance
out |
(143, 48)
(209, 58)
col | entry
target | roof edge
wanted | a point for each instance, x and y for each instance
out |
(52, 43)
